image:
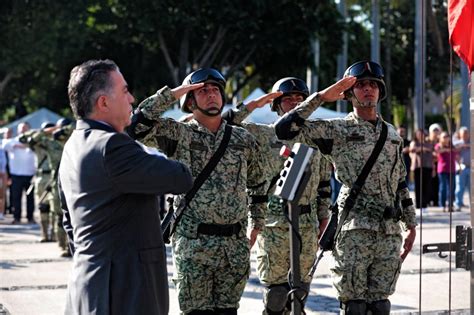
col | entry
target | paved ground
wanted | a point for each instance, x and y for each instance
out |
(33, 277)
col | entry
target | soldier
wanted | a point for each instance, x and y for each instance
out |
(273, 251)
(210, 249)
(42, 178)
(48, 142)
(367, 251)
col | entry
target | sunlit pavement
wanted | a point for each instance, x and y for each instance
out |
(33, 276)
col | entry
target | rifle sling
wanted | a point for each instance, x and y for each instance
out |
(207, 170)
(168, 225)
(360, 181)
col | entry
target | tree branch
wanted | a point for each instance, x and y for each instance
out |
(5, 81)
(219, 37)
(169, 62)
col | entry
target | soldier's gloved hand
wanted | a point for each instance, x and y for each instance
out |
(23, 139)
(59, 134)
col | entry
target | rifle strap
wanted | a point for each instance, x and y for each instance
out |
(360, 181)
(206, 171)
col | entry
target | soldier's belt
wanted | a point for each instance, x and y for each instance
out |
(40, 171)
(219, 229)
(305, 209)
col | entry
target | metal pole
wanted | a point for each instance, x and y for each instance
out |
(420, 22)
(465, 121)
(312, 77)
(295, 249)
(472, 189)
(375, 35)
(341, 106)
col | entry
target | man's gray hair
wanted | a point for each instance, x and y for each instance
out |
(86, 82)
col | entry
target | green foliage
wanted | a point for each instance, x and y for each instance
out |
(253, 42)
(399, 114)
(157, 42)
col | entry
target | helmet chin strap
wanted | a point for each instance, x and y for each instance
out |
(210, 112)
(207, 112)
(363, 104)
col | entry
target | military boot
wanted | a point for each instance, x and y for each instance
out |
(62, 242)
(53, 227)
(44, 225)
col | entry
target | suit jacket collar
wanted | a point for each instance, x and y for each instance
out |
(93, 124)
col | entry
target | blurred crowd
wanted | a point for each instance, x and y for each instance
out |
(438, 167)
(28, 167)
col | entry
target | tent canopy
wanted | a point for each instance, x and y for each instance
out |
(35, 119)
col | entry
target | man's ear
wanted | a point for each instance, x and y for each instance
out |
(192, 103)
(102, 105)
(348, 95)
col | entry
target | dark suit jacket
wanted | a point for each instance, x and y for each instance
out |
(108, 195)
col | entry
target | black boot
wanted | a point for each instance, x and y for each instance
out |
(354, 307)
(380, 307)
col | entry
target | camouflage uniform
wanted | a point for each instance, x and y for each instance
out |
(367, 250)
(53, 150)
(211, 270)
(42, 178)
(273, 251)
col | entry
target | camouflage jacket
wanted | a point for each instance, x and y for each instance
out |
(318, 190)
(222, 199)
(40, 150)
(54, 149)
(348, 142)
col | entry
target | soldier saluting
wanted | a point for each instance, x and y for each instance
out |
(367, 250)
(211, 251)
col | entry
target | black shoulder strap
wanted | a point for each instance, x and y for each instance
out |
(360, 181)
(206, 171)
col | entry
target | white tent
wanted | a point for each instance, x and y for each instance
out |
(264, 115)
(35, 119)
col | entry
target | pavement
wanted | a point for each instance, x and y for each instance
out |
(33, 276)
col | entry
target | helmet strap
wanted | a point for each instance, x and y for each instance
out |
(205, 111)
(362, 104)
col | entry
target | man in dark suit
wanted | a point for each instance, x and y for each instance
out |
(108, 188)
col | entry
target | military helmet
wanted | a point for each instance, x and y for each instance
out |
(288, 85)
(209, 75)
(47, 124)
(63, 122)
(369, 70)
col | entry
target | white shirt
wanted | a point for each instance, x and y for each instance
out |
(21, 159)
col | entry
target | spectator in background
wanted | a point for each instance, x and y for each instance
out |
(3, 181)
(433, 138)
(463, 181)
(7, 134)
(421, 153)
(446, 168)
(402, 132)
(22, 164)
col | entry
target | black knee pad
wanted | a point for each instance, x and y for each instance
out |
(354, 307)
(380, 307)
(201, 312)
(44, 207)
(275, 298)
(226, 311)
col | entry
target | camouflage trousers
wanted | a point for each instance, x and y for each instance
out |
(367, 265)
(273, 254)
(206, 280)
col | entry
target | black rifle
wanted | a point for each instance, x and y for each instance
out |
(48, 188)
(32, 185)
(326, 242)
